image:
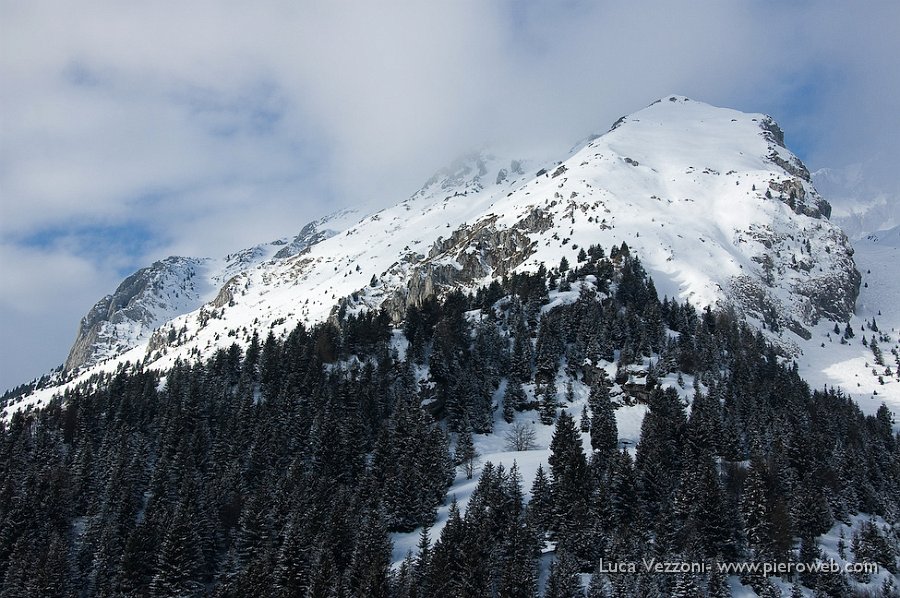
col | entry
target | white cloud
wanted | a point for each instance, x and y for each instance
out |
(44, 293)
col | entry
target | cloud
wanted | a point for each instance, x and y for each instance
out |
(45, 292)
(207, 126)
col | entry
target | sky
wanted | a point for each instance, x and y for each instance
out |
(130, 131)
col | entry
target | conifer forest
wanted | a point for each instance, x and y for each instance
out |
(286, 466)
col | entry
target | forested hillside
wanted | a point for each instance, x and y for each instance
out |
(286, 469)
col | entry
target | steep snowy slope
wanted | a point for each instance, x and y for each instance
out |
(833, 360)
(176, 285)
(718, 210)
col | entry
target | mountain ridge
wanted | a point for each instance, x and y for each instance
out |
(173, 286)
(716, 207)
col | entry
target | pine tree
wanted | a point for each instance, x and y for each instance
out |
(513, 400)
(522, 353)
(685, 587)
(326, 579)
(370, 564)
(604, 431)
(876, 352)
(422, 563)
(563, 581)
(755, 509)
(19, 579)
(138, 559)
(599, 587)
(584, 421)
(540, 507)
(717, 584)
(568, 469)
(448, 559)
(548, 349)
(465, 454)
(658, 456)
(414, 331)
(54, 576)
(517, 575)
(832, 583)
(548, 403)
(402, 583)
(623, 497)
(700, 506)
(870, 545)
(809, 554)
(412, 467)
(180, 559)
(292, 569)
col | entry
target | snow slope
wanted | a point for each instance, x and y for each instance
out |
(828, 362)
(168, 288)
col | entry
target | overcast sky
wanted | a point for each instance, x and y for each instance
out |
(130, 131)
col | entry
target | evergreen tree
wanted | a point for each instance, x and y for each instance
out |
(446, 574)
(871, 546)
(604, 431)
(658, 456)
(563, 581)
(584, 421)
(517, 576)
(522, 353)
(540, 508)
(180, 559)
(685, 587)
(54, 576)
(623, 496)
(548, 349)
(568, 465)
(548, 403)
(422, 563)
(412, 467)
(466, 455)
(599, 587)
(513, 400)
(755, 509)
(370, 564)
(292, 570)
(717, 584)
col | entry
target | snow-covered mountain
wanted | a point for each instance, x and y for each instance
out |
(716, 207)
(174, 286)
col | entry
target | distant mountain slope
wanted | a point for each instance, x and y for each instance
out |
(176, 285)
(861, 207)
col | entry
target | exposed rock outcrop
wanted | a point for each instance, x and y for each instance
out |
(141, 302)
(470, 253)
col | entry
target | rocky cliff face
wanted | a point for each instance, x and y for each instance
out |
(718, 209)
(168, 288)
(143, 301)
